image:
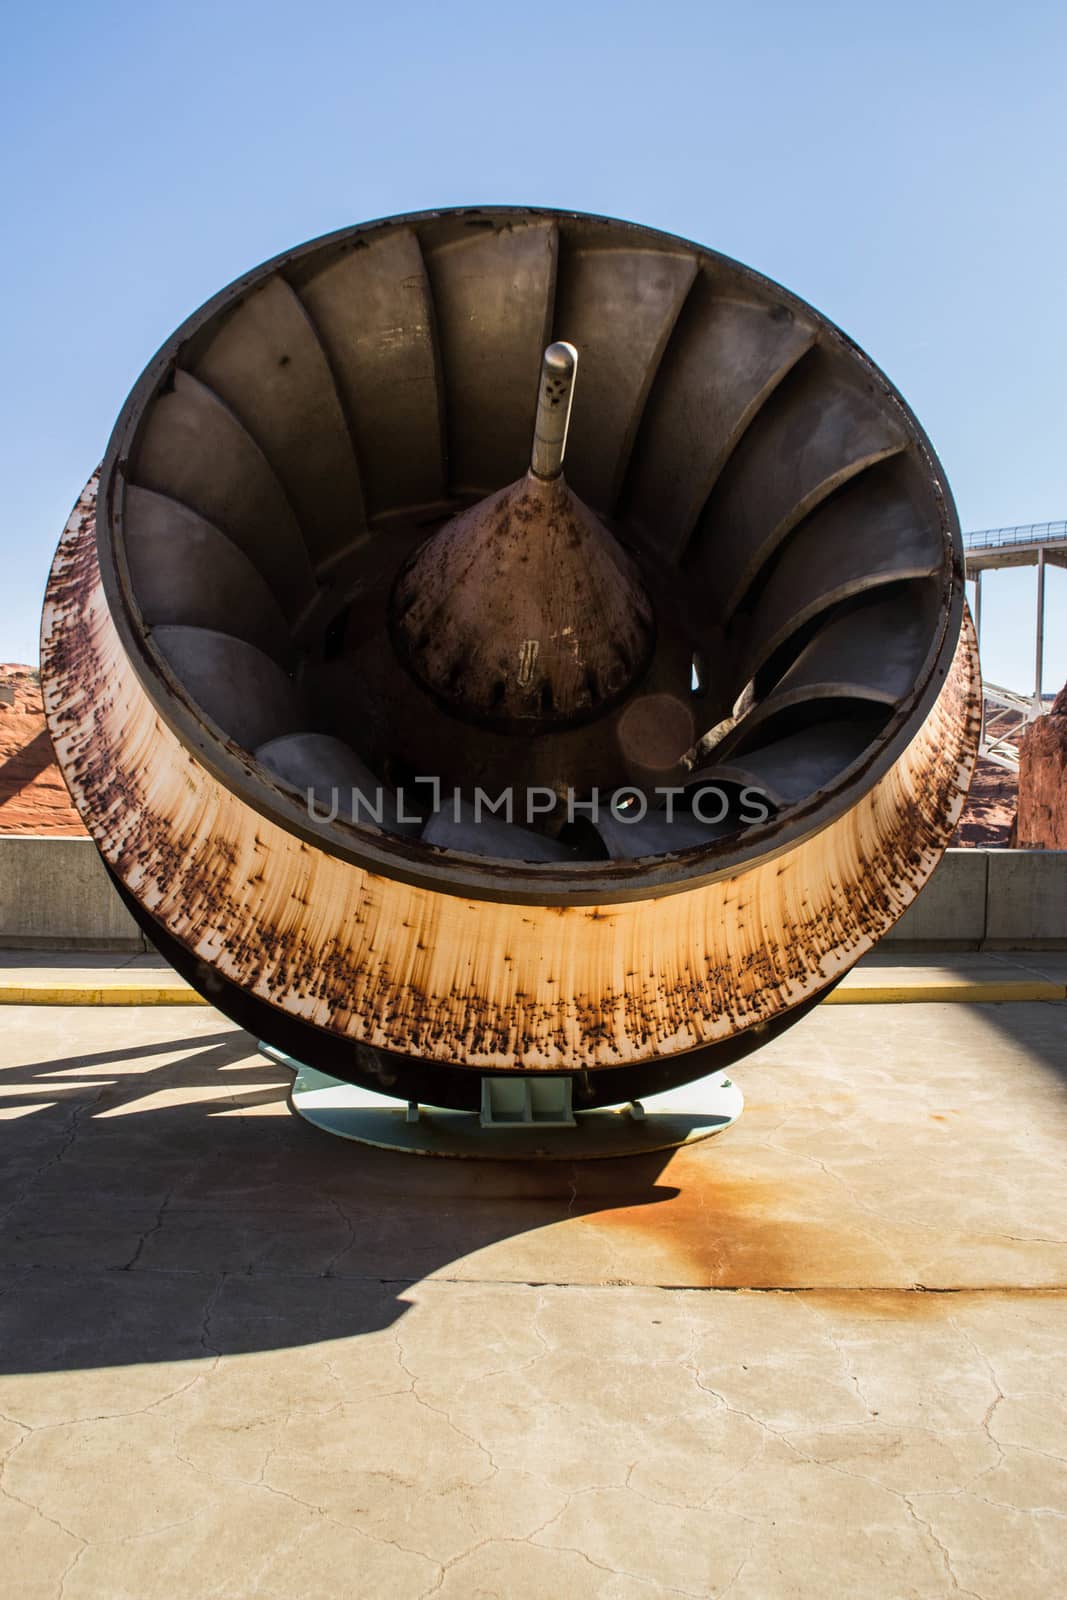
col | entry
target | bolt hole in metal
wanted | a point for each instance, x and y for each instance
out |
(693, 551)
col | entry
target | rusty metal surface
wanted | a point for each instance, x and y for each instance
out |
(452, 979)
(427, 324)
(524, 612)
(286, 586)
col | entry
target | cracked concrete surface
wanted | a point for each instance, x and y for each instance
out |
(820, 1355)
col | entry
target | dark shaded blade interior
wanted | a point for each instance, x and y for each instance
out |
(798, 766)
(194, 450)
(266, 362)
(724, 358)
(880, 529)
(490, 836)
(871, 651)
(493, 291)
(339, 781)
(653, 835)
(618, 307)
(237, 686)
(819, 428)
(373, 312)
(184, 570)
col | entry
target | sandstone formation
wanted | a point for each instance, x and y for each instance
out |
(1042, 820)
(989, 814)
(33, 796)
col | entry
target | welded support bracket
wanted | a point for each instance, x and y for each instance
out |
(532, 1119)
(519, 1102)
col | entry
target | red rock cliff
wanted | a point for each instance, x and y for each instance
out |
(1042, 821)
(33, 798)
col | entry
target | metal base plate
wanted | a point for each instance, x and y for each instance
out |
(662, 1122)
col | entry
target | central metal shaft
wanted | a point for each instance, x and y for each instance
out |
(523, 612)
(558, 367)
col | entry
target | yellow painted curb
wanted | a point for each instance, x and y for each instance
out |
(963, 992)
(915, 991)
(105, 994)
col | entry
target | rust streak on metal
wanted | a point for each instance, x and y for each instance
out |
(523, 612)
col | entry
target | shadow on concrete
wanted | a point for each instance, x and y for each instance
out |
(161, 1203)
(1042, 1034)
(1039, 1028)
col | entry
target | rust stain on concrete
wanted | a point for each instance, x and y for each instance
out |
(710, 1226)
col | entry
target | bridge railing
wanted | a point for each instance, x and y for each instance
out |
(1025, 533)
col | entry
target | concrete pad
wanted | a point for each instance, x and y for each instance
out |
(520, 1441)
(72, 965)
(1048, 963)
(902, 963)
(241, 1359)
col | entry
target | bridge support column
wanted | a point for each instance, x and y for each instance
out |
(1039, 658)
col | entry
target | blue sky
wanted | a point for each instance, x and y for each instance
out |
(902, 167)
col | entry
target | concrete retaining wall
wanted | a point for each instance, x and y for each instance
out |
(991, 900)
(55, 894)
